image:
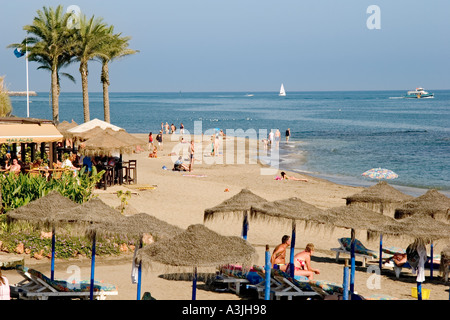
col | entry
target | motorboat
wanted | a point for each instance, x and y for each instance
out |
(419, 93)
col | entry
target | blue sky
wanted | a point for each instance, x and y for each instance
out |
(253, 45)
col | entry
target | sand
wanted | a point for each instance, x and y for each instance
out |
(181, 200)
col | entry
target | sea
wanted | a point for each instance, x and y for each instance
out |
(335, 135)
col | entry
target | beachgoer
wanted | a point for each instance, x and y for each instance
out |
(159, 138)
(271, 138)
(278, 259)
(181, 128)
(150, 141)
(154, 154)
(284, 176)
(167, 128)
(179, 165)
(4, 287)
(14, 167)
(162, 126)
(288, 134)
(172, 127)
(277, 137)
(213, 143)
(87, 162)
(302, 263)
(191, 155)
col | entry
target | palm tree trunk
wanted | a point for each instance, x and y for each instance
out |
(84, 87)
(55, 95)
(105, 82)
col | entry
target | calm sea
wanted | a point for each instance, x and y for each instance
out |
(335, 135)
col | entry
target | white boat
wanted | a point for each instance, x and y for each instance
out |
(419, 93)
(282, 92)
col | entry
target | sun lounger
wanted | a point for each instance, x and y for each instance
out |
(282, 285)
(234, 276)
(360, 250)
(36, 286)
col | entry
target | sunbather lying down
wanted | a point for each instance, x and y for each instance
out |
(284, 176)
(399, 259)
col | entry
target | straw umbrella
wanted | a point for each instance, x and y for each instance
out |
(136, 226)
(105, 143)
(423, 228)
(291, 209)
(126, 137)
(64, 126)
(90, 216)
(39, 211)
(196, 248)
(432, 203)
(357, 218)
(237, 205)
(380, 197)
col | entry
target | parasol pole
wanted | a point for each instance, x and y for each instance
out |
(380, 263)
(194, 284)
(345, 284)
(139, 276)
(91, 289)
(432, 260)
(245, 225)
(267, 270)
(52, 268)
(352, 272)
(292, 252)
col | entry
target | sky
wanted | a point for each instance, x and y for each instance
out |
(252, 45)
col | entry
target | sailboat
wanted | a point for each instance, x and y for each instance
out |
(282, 92)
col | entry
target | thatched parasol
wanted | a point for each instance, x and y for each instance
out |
(291, 210)
(417, 226)
(381, 197)
(85, 135)
(357, 218)
(432, 203)
(287, 209)
(126, 137)
(197, 247)
(92, 216)
(105, 143)
(239, 204)
(64, 126)
(138, 224)
(40, 211)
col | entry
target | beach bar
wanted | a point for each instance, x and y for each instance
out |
(30, 132)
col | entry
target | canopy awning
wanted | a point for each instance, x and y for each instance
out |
(16, 131)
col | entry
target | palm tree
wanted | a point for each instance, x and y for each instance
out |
(116, 47)
(50, 43)
(90, 39)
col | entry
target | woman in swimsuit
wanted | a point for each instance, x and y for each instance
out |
(302, 263)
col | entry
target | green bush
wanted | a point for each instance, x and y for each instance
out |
(19, 190)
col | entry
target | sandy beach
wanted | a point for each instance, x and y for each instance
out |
(181, 199)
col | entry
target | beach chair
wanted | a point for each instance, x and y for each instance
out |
(36, 286)
(360, 250)
(234, 277)
(281, 285)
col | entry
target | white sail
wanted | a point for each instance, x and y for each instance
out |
(282, 92)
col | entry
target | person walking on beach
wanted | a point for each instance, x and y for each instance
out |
(288, 134)
(278, 259)
(181, 128)
(191, 155)
(271, 139)
(277, 137)
(159, 138)
(167, 128)
(172, 127)
(150, 141)
(4, 287)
